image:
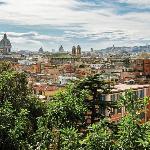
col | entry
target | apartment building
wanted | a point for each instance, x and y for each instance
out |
(140, 91)
(143, 66)
(115, 114)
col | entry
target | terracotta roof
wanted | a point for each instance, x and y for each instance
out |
(44, 87)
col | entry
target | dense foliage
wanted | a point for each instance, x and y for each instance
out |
(95, 85)
(27, 123)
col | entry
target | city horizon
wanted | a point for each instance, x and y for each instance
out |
(70, 49)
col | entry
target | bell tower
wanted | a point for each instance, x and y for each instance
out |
(73, 50)
(78, 50)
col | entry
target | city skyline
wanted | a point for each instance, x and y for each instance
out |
(89, 23)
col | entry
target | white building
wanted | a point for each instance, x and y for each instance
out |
(97, 66)
(26, 62)
(65, 79)
(140, 91)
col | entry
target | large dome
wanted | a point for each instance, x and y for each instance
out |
(5, 45)
(5, 42)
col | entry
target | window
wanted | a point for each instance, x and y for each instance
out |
(34, 91)
(112, 111)
(102, 111)
(142, 115)
(141, 94)
(102, 97)
(135, 94)
(119, 110)
(118, 96)
(112, 97)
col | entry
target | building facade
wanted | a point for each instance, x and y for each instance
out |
(143, 66)
(140, 91)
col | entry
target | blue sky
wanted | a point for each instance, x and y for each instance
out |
(89, 23)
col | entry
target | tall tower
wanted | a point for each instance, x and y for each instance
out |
(78, 50)
(73, 50)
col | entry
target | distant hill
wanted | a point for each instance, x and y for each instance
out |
(135, 49)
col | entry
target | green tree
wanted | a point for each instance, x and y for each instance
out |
(13, 87)
(64, 113)
(127, 62)
(95, 85)
(67, 108)
(6, 123)
(132, 103)
(42, 137)
(132, 134)
(69, 139)
(99, 137)
(5, 66)
(20, 132)
(19, 111)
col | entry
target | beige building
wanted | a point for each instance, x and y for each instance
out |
(140, 91)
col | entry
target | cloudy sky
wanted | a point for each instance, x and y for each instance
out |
(31, 24)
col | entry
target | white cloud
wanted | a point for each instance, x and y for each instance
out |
(32, 40)
(91, 23)
(34, 36)
(145, 3)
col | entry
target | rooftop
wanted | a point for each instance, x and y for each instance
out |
(123, 87)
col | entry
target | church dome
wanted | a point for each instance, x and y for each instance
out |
(5, 42)
(41, 50)
(61, 49)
